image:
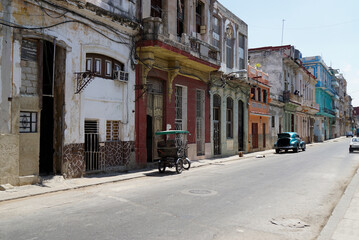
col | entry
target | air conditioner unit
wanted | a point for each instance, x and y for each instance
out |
(203, 29)
(120, 76)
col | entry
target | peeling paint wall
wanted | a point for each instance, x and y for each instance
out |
(20, 85)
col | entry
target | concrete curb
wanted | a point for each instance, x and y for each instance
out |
(340, 209)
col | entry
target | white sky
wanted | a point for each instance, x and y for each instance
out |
(328, 28)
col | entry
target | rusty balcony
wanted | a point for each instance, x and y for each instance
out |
(204, 50)
(291, 97)
(153, 30)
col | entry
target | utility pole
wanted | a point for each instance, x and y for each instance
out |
(282, 31)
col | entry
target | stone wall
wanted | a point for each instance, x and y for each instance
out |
(113, 156)
(29, 81)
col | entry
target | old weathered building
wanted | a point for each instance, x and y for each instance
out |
(293, 106)
(176, 59)
(67, 72)
(229, 87)
(259, 117)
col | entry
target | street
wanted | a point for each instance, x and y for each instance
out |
(281, 196)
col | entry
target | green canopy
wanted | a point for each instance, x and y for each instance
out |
(171, 132)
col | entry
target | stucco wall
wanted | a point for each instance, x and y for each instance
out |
(9, 159)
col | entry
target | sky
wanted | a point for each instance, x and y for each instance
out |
(327, 28)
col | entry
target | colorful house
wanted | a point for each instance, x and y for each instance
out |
(259, 117)
(176, 59)
(325, 96)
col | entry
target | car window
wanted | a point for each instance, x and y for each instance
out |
(283, 135)
(355, 140)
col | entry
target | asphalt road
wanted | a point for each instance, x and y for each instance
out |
(281, 196)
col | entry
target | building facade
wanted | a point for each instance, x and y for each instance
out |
(259, 117)
(326, 97)
(229, 86)
(66, 76)
(292, 94)
(176, 59)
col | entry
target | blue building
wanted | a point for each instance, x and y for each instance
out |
(325, 96)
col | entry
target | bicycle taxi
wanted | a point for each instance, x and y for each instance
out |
(172, 150)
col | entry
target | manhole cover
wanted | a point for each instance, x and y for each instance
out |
(199, 192)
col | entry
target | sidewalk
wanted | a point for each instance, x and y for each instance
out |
(343, 224)
(58, 183)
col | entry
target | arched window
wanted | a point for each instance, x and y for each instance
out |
(229, 117)
(103, 66)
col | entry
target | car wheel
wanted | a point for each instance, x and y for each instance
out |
(303, 148)
(350, 150)
(277, 151)
(295, 149)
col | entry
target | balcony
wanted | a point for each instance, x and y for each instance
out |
(335, 83)
(258, 75)
(327, 111)
(311, 104)
(204, 50)
(153, 30)
(291, 97)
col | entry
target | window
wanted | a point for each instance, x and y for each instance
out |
(108, 68)
(102, 65)
(180, 17)
(229, 52)
(178, 108)
(156, 8)
(112, 133)
(259, 97)
(199, 10)
(28, 122)
(273, 121)
(88, 64)
(98, 66)
(253, 93)
(241, 42)
(216, 32)
(229, 118)
(264, 96)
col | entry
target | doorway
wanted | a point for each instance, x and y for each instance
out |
(240, 126)
(264, 135)
(52, 68)
(254, 135)
(149, 135)
(217, 124)
(154, 117)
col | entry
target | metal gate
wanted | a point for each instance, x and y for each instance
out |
(92, 148)
(217, 124)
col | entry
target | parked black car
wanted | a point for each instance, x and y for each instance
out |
(289, 140)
